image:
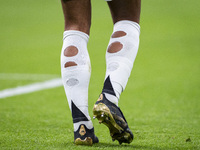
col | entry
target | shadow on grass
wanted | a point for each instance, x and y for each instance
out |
(112, 145)
(123, 146)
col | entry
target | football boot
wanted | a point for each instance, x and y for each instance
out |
(110, 115)
(85, 136)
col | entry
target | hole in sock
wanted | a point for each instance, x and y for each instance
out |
(70, 64)
(72, 82)
(70, 51)
(118, 34)
(115, 47)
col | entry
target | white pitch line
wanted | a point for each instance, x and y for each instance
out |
(31, 88)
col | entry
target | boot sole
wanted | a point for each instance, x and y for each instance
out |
(87, 141)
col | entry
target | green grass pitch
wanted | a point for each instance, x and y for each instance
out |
(161, 101)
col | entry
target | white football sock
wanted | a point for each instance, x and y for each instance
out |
(120, 56)
(76, 70)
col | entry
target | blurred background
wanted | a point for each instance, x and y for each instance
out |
(161, 100)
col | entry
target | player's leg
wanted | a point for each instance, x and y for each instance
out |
(120, 56)
(77, 15)
(125, 10)
(124, 42)
(75, 67)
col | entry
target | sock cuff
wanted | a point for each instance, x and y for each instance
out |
(74, 32)
(127, 23)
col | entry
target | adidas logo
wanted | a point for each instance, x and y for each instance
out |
(82, 130)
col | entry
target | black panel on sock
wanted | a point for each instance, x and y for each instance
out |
(77, 115)
(107, 88)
